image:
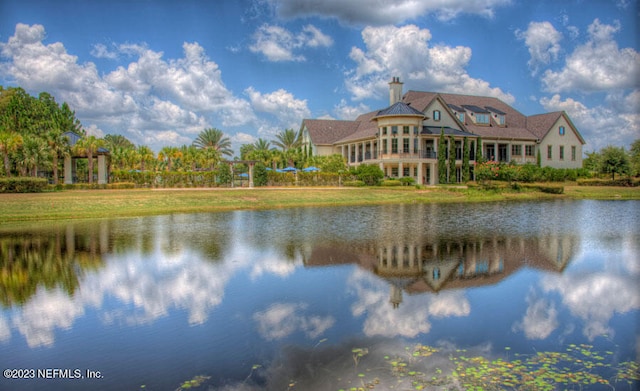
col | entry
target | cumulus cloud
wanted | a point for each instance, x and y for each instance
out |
(597, 65)
(281, 104)
(616, 121)
(346, 112)
(543, 42)
(152, 99)
(405, 51)
(381, 13)
(283, 319)
(279, 44)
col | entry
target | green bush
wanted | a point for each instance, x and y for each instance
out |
(166, 178)
(356, 183)
(22, 185)
(121, 185)
(624, 182)
(390, 183)
(370, 174)
(407, 181)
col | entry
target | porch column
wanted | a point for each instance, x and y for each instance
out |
(68, 171)
(400, 170)
(434, 173)
(102, 170)
(420, 181)
(251, 175)
(349, 154)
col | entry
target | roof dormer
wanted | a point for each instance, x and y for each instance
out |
(478, 115)
(498, 116)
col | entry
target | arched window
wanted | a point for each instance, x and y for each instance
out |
(436, 115)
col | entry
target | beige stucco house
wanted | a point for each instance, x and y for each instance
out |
(403, 138)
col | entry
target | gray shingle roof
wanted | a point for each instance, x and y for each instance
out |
(399, 108)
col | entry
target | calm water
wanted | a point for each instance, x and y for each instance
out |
(277, 300)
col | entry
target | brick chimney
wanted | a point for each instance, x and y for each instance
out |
(395, 90)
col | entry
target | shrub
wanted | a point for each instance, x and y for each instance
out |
(22, 185)
(370, 174)
(625, 182)
(390, 183)
(356, 183)
(407, 181)
(121, 185)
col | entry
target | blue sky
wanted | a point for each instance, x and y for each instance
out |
(159, 72)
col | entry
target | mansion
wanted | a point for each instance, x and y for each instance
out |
(403, 138)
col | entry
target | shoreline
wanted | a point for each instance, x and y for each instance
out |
(77, 205)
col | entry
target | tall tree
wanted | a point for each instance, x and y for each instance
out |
(614, 160)
(32, 154)
(145, 155)
(9, 143)
(465, 159)
(452, 160)
(634, 157)
(215, 139)
(169, 155)
(88, 146)
(288, 139)
(442, 158)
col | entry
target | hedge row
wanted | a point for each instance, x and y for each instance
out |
(305, 178)
(166, 178)
(626, 182)
(22, 185)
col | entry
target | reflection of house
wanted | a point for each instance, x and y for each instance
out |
(403, 138)
(432, 266)
(101, 154)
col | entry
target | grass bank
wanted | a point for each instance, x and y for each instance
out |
(92, 204)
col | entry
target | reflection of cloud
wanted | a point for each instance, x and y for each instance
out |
(596, 297)
(409, 319)
(282, 319)
(147, 285)
(540, 320)
(44, 313)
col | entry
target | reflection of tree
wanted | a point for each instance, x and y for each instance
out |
(50, 259)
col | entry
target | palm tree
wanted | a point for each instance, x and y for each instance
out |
(58, 146)
(288, 139)
(9, 143)
(213, 138)
(88, 146)
(145, 154)
(34, 150)
(169, 155)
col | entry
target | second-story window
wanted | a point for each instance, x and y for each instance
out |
(436, 115)
(405, 130)
(461, 117)
(482, 118)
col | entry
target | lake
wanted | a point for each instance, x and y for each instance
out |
(375, 297)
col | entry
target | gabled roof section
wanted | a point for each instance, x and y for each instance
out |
(399, 109)
(476, 109)
(541, 124)
(328, 131)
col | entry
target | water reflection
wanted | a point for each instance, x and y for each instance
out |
(203, 284)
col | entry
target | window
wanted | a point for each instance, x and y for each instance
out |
(384, 145)
(461, 117)
(394, 130)
(394, 172)
(562, 152)
(516, 150)
(406, 171)
(482, 118)
(500, 119)
(561, 131)
(415, 145)
(528, 150)
(394, 145)
(415, 130)
(405, 145)
(436, 115)
(549, 152)
(573, 153)
(384, 131)
(405, 130)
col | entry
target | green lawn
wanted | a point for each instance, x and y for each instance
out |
(89, 204)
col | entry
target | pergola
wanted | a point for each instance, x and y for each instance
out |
(70, 161)
(250, 163)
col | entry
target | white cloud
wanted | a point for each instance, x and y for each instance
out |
(405, 52)
(152, 99)
(346, 112)
(543, 42)
(283, 319)
(597, 65)
(616, 122)
(279, 44)
(281, 104)
(380, 13)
